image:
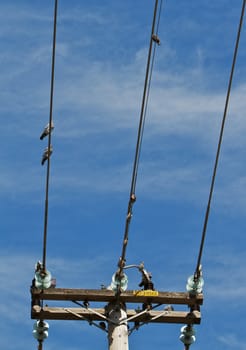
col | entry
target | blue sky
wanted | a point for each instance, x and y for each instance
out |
(100, 66)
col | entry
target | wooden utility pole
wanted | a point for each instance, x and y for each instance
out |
(115, 313)
(117, 327)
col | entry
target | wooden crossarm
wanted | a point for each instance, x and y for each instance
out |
(60, 313)
(104, 295)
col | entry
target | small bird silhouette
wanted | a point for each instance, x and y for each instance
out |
(47, 130)
(47, 153)
(156, 39)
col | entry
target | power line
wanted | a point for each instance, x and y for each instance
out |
(197, 271)
(49, 138)
(148, 76)
(115, 313)
(132, 198)
(156, 39)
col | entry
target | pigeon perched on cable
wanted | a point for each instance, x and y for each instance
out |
(156, 39)
(47, 153)
(47, 130)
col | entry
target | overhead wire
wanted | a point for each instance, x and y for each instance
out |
(49, 139)
(132, 198)
(150, 79)
(145, 98)
(198, 270)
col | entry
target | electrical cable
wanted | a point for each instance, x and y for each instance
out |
(49, 138)
(132, 199)
(197, 271)
(148, 76)
(149, 81)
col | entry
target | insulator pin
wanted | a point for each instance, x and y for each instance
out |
(42, 279)
(187, 335)
(119, 283)
(194, 285)
(40, 330)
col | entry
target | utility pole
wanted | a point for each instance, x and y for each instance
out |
(117, 327)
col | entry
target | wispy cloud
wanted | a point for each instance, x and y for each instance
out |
(226, 275)
(95, 96)
(232, 341)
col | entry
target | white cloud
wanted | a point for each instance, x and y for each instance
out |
(226, 275)
(81, 15)
(232, 341)
(100, 96)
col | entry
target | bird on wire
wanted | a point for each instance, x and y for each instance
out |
(156, 39)
(47, 153)
(47, 130)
